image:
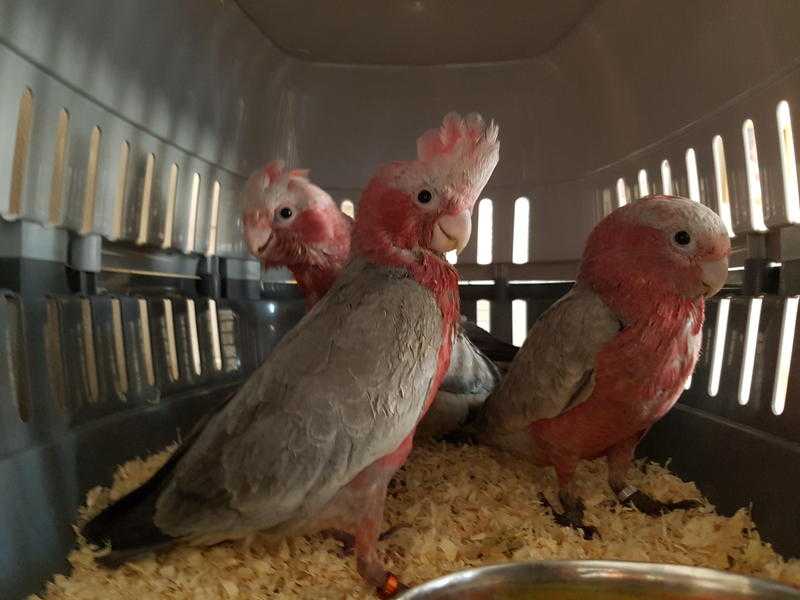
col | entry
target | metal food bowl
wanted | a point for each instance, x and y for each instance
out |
(601, 580)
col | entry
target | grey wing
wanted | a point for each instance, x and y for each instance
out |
(345, 387)
(470, 378)
(554, 369)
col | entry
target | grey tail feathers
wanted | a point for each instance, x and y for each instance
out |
(128, 525)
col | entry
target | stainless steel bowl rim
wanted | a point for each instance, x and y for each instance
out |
(554, 571)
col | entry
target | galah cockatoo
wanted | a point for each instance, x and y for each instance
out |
(313, 437)
(611, 357)
(291, 222)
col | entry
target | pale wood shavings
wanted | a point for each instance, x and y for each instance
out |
(467, 506)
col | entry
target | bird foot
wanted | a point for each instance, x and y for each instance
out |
(348, 541)
(571, 517)
(391, 587)
(648, 505)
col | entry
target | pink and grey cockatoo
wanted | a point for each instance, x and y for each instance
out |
(313, 437)
(611, 357)
(289, 221)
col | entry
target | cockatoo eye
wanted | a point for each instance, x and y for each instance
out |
(682, 238)
(286, 213)
(424, 197)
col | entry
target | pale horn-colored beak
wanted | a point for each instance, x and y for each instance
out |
(715, 274)
(256, 233)
(451, 232)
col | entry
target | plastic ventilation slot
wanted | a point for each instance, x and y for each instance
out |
(59, 162)
(192, 223)
(348, 208)
(692, 176)
(622, 192)
(52, 344)
(644, 186)
(721, 179)
(147, 347)
(19, 162)
(147, 197)
(522, 224)
(121, 381)
(194, 342)
(213, 332)
(666, 179)
(90, 189)
(519, 322)
(169, 339)
(119, 195)
(720, 333)
(169, 217)
(213, 225)
(483, 314)
(485, 223)
(750, 344)
(608, 201)
(753, 177)
(784, 355)
(16, 365)
(227, 327)
(788, 163)
(89, 356)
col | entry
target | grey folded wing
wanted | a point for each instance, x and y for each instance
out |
(554, 369)
(344, 388)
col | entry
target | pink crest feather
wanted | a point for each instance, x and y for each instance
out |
(272, 172)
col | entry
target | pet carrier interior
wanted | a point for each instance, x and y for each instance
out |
(129, 303)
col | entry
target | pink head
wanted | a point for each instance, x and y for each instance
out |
(659, 246)
(289, 221)
(427, 203)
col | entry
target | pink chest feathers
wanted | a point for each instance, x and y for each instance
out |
(639, 376)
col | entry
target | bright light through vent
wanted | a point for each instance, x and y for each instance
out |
(522, 224)
(721, 177)
(784, 355)
(666, 180)
(483, 314)
(691, 174)
(750, 343)
(720, 331)
(789, 163)
(485, 215)
(519, 321)
(622, 192)
(644, 187)
(753, 177)
(348, 208)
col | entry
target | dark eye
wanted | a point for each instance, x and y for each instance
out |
(683, 238)
(286, 213)
(424, 197)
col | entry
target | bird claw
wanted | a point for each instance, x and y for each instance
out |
(648, 505)
(391, 587)
(571, 517)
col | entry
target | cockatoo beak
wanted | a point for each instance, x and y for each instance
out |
(715, 274)
(257, 233)
(451, 232)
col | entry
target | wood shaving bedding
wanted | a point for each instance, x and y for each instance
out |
(466, 507)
